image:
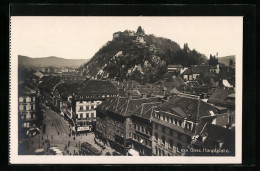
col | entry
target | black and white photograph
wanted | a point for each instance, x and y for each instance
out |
(130, 89)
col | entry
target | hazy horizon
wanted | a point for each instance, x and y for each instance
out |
(82, 37)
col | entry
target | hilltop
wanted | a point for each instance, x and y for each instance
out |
(138, 56)
(51, 61)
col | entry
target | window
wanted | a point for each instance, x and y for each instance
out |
(171, 144)
(135, 136)
(24, 100)
(171, 120)
(81, 115)
(142, 129)
(92, 101)
(156, 150)
(31, 99)
(31, 107)
(175, 121)
(164, 117)
(163, 140)
(145, 141)
(138, 127)
(149, 143)
(135, 126)
(180, 122)
(92, 115)
(163, 153)
(92, 107)
(130, 135)
(80, 101)
(156, 137)
(24, 116)
(87, 115)
(24, 107)
(146, 131)
(87, 107)
(188, 125)
(81, 108)
(179, 147)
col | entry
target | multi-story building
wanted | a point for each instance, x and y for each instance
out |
(28, 110)
(116, 124)
(225, 98)
(47, 88)
(174, 123)
(142, 128)
(84, 104)
(116, 128)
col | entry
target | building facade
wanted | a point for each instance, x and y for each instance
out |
(92, 95)
(28, 111)
(174, 124)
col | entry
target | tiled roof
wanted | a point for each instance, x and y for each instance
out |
(217, 133)
(219, 96)
(70, 88)
(179, 81)
(124, 106)
(98, 87)
(130, 84)
(45, 78)
(51, 82)
(191, 107)
(25, 91)
(187, 72)
(145, 110)
(106, 104)
(147, 91)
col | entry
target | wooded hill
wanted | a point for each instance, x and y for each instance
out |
(126, 57)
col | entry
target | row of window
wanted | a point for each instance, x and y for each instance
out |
(81, 108)
(84, 123)
(166, 118)
(27, 99)
(119, 124)
(142, 140)
(142, 129)
(28, 116)
(80, 116)
(161, 152)
(163, 138)
(97, 96)
(27, 107)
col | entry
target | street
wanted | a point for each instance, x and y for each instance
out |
(57, 134)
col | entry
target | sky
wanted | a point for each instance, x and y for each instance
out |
(82, 37)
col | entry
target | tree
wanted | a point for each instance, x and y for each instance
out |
(231, 62)
(213, 61)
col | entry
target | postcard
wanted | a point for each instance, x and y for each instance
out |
(125, 90)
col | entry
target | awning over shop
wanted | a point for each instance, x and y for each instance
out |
(133, 152)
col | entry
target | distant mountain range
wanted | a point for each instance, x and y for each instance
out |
(51, 61)
(225, 59)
